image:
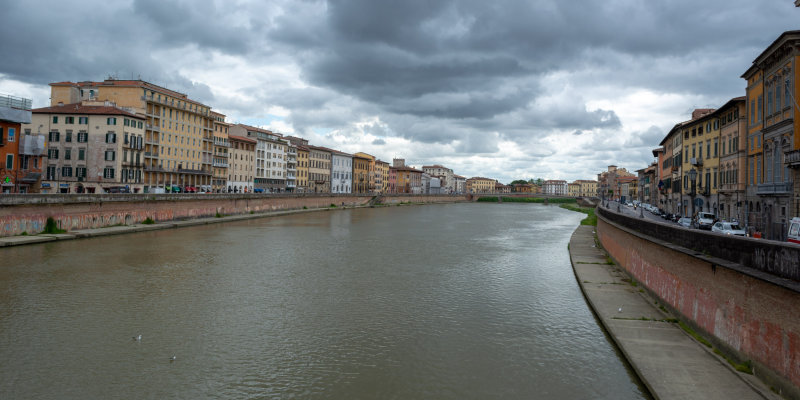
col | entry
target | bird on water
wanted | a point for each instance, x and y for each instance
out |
(138, 338)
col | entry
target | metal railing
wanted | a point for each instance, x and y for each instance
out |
(7, 100)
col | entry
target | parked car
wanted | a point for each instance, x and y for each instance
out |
(704, 220)
(728, 228)
(794, 230)
(685, 222)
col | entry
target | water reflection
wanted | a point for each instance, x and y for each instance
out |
(453, 301)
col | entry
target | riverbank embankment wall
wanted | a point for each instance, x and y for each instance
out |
(28, 213)
(740, 293)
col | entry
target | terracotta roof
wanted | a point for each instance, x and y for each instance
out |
(79, 109)
(409, 169)
(242, 139)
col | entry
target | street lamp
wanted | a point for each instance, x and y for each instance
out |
(693, 178)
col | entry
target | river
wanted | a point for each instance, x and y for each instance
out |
(459, 301)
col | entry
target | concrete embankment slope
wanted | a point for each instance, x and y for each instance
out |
(670, 363)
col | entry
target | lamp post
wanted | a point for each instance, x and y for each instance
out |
(693, 178)
(641, 198)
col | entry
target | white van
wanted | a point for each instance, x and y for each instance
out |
(794, 230)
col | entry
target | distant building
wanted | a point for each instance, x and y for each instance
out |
(319, 170)
(460, 184)
(478, 184)
(242, 163)
(361, 173)
(444, 174)
(555, 187)
(381, 176)
(341, 172)
(219, 165)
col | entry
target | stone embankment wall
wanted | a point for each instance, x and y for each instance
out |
(29, 213)
(742, 293)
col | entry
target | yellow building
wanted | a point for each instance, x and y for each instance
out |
(588, 188)
(302, 168)
(220, 163)
(179, 137)
(479, 184)
(701, 155)
(773, 115)
(370, 172)
(361, 173)
(381, 176)
(574, 189)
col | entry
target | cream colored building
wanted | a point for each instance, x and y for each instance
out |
(588, 188)
(381, 176)
(179, 139)
(574, 189)
(219, 182)
(92, 147)
(479, 184)
(242, 168)
(319, 169)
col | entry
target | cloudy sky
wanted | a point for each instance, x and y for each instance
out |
(503, 89)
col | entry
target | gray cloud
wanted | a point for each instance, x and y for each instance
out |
(460, 76)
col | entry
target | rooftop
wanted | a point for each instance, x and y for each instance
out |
(84, 109)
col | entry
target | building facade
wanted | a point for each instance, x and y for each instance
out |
(342, 165)
(478, 184)
(319, 169)
(555, 187)
(444, 174)
(733, 159)
(18, 170)
(361, 174)
(219, 164)
(242, 164)
(179, 140)
(92, 147)
(773, 149)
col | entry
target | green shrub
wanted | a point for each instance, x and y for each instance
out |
(218, 215)
(488, 199)
(305, 208)
(333, 205)
(148, 221)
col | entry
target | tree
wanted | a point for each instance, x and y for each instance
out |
(518, 182)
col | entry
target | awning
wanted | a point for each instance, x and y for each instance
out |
(31, 177)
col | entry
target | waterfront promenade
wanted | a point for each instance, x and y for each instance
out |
(670, 363)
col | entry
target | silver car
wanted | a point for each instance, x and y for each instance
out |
(728, 228)
(685, 222)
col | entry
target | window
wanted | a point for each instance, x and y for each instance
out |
(11, 132)
(55, 119)
(52, 154)
(111, 137)
(68, 154)
(708, 149)
(66, 171)
(110, 155)
(54, 136)
(80, 172)
(2, 137)
(769, 102)
(108, 173)
(51, 172)
(752, 112)
(69, 120)
(758, 170)
(752, 171)
(68, 137)
(9, 161)
(758, 110)
(81, 154)
(83, 137)
(778, 96)
(111, 121)
(83, 120)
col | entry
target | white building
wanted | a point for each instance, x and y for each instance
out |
(459, 183)
(341, 172)
(291, 166)
(555, 187)
(445, 175)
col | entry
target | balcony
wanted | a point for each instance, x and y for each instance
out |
(151, 127)
(148, 154)
(793, 159)
(697, 162)
(220, 164)
(774, 189)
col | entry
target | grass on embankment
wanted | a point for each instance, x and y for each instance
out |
(591, 219)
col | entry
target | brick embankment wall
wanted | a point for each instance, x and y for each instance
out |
(29, 213)
(743, 309)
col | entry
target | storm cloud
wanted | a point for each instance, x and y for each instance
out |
(506, 89)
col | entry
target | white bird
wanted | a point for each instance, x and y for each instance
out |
(173, 358)
(138, 338)
(620, 309)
